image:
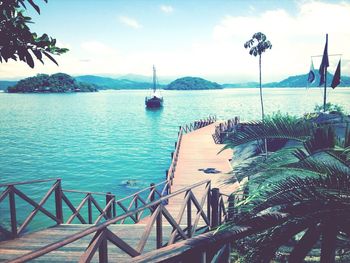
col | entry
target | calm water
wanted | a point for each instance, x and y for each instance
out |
(97, 141)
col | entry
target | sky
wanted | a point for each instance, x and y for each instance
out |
(199, 38)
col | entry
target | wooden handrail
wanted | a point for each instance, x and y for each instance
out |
(11, 191)
(102, 227)
(86, 192)
(30, 182)
(140, 191)
(225, 128)
(204, 247)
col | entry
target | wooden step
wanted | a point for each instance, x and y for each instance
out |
(131, 234)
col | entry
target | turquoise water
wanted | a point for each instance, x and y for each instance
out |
(97, 141)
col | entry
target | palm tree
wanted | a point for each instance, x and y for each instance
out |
(308, 183)
(257, 45)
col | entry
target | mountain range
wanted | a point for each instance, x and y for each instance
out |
(132, 81)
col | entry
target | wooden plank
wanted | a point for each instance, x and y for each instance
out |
(121, 244)
(72, 208)
(91, 250)
(35, 205)
(77, 211)
(147, 230)
(129, 236)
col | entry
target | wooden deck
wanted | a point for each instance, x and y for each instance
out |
(11, 249)
(198, 160)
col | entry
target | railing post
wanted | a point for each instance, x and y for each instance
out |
(159, 229)
(109, 197)
(189, 216)
(13, 211)
(231, 207)
(152, 197)
(89, 209)
(215, 195)
(136, 206)
(103, 250)
(172, 155)
(58, 201)
(175, 144)
(208, 202)
(114, 207)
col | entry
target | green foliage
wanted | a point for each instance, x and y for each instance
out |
(258, 44)
(191, 83)
(58, 82)
(17, 41)
(330, 107)
(309, 184)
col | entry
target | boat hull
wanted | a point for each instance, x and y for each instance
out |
(154, 102)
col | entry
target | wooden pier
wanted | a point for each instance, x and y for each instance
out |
(191, 201)
(199, 159)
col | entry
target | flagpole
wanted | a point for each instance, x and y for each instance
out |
(325, 83)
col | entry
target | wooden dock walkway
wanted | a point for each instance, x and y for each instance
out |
(187, 206)
(199, 159)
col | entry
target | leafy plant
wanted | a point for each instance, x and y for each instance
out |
(308, 183)
(17, 41)
(330, 107)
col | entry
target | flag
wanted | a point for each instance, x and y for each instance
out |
(336, 77)
(311, 76)
(324, 63)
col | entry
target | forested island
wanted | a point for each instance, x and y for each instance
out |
(56, 83)
(192, 83)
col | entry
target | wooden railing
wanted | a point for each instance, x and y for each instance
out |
(223, 129)
(69, 206)
(207, 210)
(198, 124)
(208, 247)
(11, 191)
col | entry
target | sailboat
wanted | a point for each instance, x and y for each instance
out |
(155, 100)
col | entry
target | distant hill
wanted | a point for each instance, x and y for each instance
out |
(4, 84)
(192, 83)
(110, 83)
(59, 82)
(301, 81)
(298, 81)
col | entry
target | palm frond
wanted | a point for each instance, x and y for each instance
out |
(279, 128)
(294, 190)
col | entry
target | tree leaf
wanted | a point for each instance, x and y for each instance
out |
(31, 2)
(50, 57)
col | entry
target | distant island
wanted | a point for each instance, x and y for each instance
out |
(298, 81)
(56, 83)
(120, 83)
(192, 83)
(131, 82)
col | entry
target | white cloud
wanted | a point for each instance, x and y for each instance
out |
(295, 37)
(167, 8)
(221, 56)
(130, 22)
(96, 47)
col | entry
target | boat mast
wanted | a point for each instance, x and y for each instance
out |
(154, 79)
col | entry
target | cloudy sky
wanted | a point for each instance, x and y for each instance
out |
(189, 38)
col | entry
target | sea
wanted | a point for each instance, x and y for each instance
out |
(109, 142)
